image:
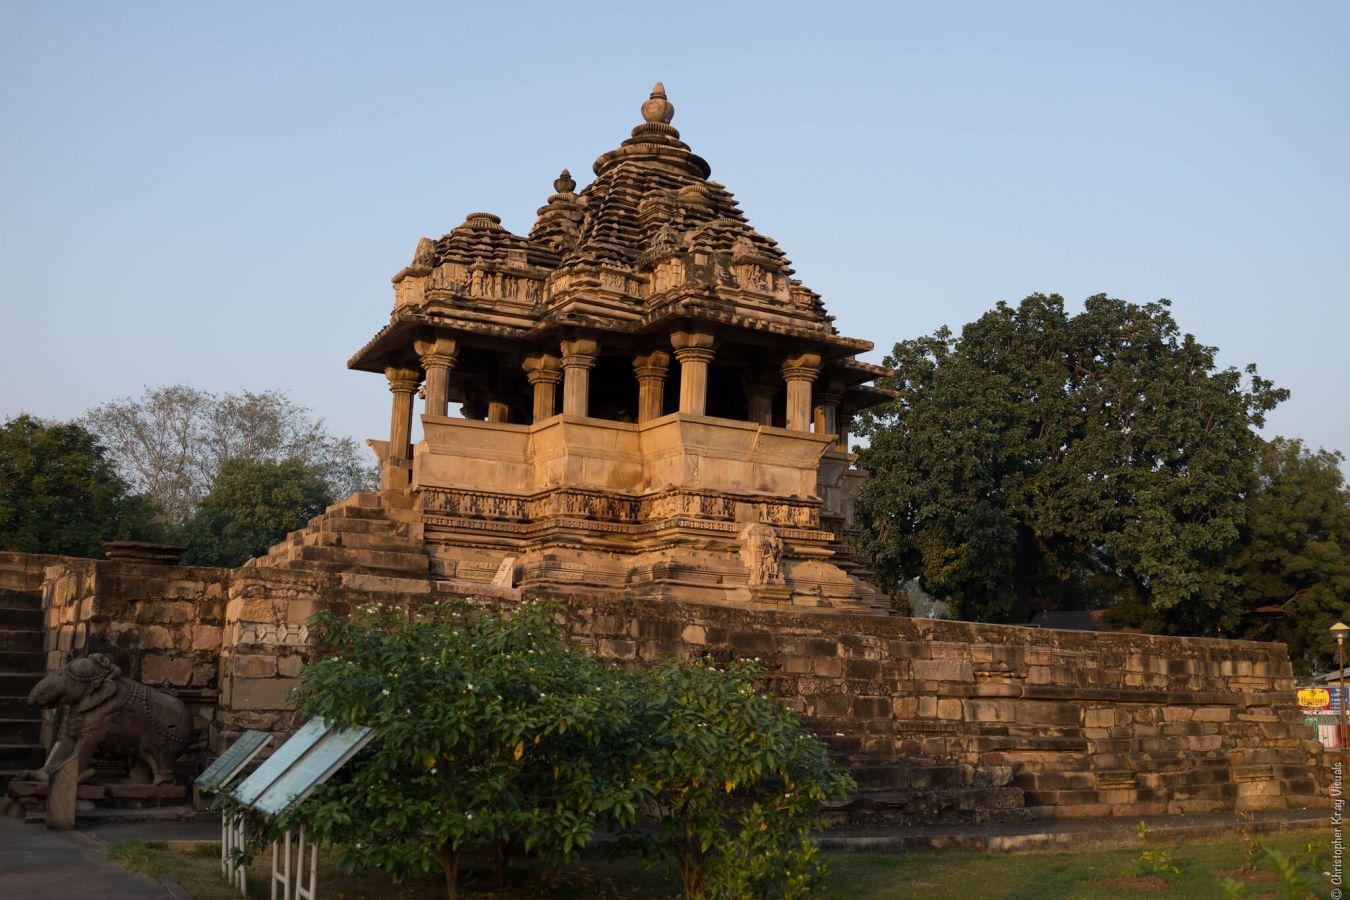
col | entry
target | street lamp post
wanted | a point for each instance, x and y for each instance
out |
(1340, 629)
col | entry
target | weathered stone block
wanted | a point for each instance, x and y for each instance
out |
(249, 665)
(206, 637)
(160, 669)
(262, 693)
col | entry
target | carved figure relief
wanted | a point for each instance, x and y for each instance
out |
(101, 707)
(762, 553)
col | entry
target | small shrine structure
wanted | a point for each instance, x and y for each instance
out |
(700, 445)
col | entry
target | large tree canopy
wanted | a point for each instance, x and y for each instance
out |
(1044, 460)
(1293, 568)
(171, 442)
(252, 506)
(59, 492)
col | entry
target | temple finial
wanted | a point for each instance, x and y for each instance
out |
(657, 109)
(564, 183)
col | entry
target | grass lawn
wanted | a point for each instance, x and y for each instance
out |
(1097, 873)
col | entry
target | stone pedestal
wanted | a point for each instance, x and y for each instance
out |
(61, 795)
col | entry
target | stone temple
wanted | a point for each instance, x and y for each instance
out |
(653, 433)
(700, 446)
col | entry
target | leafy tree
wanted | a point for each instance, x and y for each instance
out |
(491, 732)
(172, 441)
(1293, 569)
(251, 506)
(737, 780)
(59, 492)
(1043, 460)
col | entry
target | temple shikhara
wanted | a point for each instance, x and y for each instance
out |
(648, 400)
(636, 413)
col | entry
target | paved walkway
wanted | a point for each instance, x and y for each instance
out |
(36, 864)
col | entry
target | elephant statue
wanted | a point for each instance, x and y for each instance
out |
(103, 708)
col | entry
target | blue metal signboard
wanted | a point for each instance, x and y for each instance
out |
(232, 761)
(312, 770)
(276, 765)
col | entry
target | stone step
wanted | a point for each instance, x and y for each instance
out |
(8, 775)
(357, 512)
(21, 756)
(21, 661)
(20, 731)
(18, 708)
(21, 619)
(18, 684)
(382, 559)
(348, 525)
(339, 568)
(362, 500)
(361, 541)
(16, 641)
(11, 599)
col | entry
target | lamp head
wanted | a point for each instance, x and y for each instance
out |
(1340, 629)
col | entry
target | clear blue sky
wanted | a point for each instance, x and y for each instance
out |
(217, 194)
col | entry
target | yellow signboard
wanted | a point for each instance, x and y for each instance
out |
(1314, 698)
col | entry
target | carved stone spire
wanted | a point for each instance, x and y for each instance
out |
(560, 219)
(657, 109)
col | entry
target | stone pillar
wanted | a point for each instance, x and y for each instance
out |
(845, 426)
(544, 372)
(498, 410)
(578, 357)
(799, 371)
(694, 350)
(825, 414)
(759, 394)
(402, 384)
(438, 358)
(651, 372)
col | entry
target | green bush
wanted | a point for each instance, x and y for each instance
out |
(493, 733)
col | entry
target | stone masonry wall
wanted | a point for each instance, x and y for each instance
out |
(955, 720)
(161, 624)
(938, 720)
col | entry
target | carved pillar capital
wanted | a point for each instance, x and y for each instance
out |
(542, 368)
(651, 365)
(441, 351)
(403, 381)
(802, 367)
(579, 353)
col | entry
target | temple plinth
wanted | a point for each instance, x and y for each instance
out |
(649, 401)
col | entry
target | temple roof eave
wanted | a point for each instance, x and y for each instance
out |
(391, 344)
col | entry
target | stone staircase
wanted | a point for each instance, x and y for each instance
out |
(368, 533)
(21, 666)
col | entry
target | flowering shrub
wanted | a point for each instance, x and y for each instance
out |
(490, 731)
(493, 732)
